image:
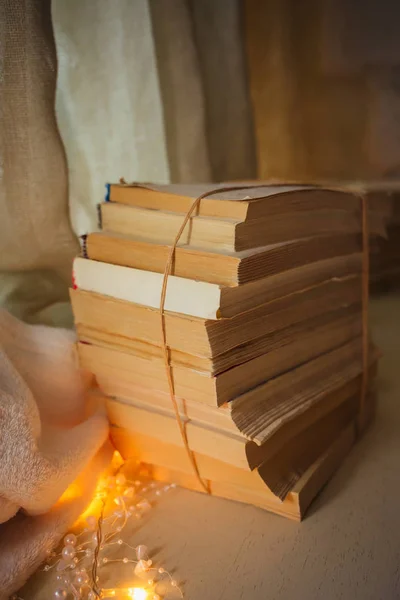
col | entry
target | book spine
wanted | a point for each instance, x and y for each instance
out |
(108, 191)
(83, 242)
(99, 219)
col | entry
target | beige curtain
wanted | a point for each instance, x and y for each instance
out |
(202, 70)
(35, 234)
(179, 75)
(108, 99)
(218, 31)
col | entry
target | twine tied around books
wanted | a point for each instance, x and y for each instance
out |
(364, 300)
(167, 271)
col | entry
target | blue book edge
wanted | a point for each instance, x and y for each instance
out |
(107, 196)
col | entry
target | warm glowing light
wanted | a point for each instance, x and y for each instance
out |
(126, 594)
(117, 460)
(93, 508)
(138, 594)
(119, 593)
(73, 491)
(100, 523)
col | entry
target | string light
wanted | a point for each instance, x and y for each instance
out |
(79, 564)
(138, 594)
(127, 594)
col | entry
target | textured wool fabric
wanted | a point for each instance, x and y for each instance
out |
(181, 90)
(108, 99)
(219, 35)
(25, 539)
(48, 437)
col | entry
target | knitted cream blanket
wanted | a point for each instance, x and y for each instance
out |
(49, 438)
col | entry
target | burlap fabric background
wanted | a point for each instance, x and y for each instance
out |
(35, 232)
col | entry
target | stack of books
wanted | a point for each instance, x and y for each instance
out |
(263, 326)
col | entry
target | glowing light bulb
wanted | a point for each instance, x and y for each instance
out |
(138, 594)
(120, 479)
(117, 460)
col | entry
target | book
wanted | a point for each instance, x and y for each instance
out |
(293, 507)
(149, 369)
(254, 409)
(337, 256)
(210, 337)
(245, 204)
(186, 296)
(279, 468)
(260, 412)
(340, 324)
(143, 397)
(229, 234)
(220, 419)
(233, 300)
